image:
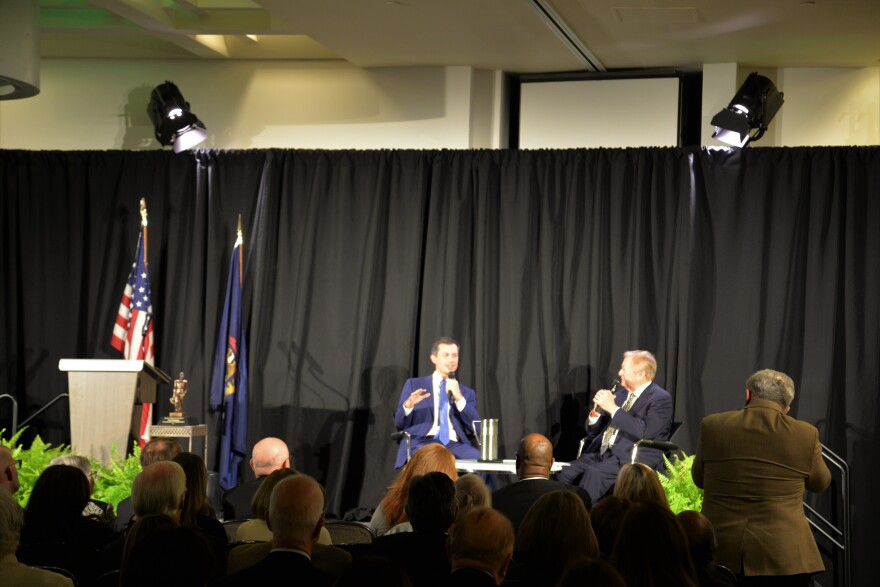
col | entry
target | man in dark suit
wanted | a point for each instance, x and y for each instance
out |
(754, 464)
(296, 516)
(269, 454)
(480, 548)
(534, 458)
(641, 409)
(437, 408)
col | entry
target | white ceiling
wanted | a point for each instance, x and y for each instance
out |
(517, 36)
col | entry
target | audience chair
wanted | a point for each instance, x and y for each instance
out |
(231, 527)
(345, 532)
(403, 435)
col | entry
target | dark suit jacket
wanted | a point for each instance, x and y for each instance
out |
(421, 419)
(421, 554)
(754, 465)
(276, 566)
(237, 500)
(649, 417)
(467, 577)
(515, 500)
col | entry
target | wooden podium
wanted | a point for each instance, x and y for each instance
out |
(103, 393)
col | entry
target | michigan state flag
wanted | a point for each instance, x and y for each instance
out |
(229, 379)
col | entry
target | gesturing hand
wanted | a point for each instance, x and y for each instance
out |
(415, 397)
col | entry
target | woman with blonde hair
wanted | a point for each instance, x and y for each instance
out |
(638, 482)
(392, 508)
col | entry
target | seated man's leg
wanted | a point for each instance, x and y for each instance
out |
(599, 476)
(571, 474)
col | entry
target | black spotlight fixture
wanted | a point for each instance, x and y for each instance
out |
(172, 119)
(753, 107)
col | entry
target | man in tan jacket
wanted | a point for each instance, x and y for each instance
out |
(754, 465)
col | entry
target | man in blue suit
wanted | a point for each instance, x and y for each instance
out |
(641, 409)
(437, 408)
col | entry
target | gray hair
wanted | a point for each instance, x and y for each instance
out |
(772, 385)
(80, 462)
(11, 523)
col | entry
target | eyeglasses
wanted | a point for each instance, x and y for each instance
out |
(18, 463)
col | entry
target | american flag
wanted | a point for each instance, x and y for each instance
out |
(133, 331)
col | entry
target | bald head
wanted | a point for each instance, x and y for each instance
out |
(534, 457)
(482, 539)
(270, 454)
(8, 471)
(296, 513)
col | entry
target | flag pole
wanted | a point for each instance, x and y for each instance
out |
(144, 229)
(239, 242)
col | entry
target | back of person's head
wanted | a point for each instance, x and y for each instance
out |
(431, 502)
(159, 489)
(260, 501)
(534, 457)
(296, 512)
(373, 570)
(471, 492)
(651, 548)
(555, 531)
(590, 571)
(80, 462)
(172, 556)
(701, 538)
(11, 523)
(639, 482)
(59, 496)
(269, 454)
(772, 385)
(143, 528)
(196, 502)
(427, 459)
(483, 538)
(8, 471)
(159, 449)
(606, 516)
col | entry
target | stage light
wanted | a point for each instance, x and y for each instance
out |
(753, 107)
(172, 119)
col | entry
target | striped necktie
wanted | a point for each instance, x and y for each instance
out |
(612, 430)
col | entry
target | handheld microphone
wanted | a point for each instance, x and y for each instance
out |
(454, 376)
(614, 385)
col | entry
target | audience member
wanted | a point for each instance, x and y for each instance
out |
(590, 571)
(605, 518)
(534, 459)
(651, 548)
(258, 527)
(8, 471)
(480, 548)
(99, 510)
(296, 515)
(174, 556)
(197, 512)
(268, 455)
(555, 532)
(702, 545)
(639, 482)
(159, 489)
(431, 509)
(755, 464)
(14, 573)
(155, 450)
(471, 492)
(141, 529)
(639, 409)
(392, 508)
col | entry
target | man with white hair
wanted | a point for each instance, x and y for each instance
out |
(296, 516)
(159, 489)
(13, 573)
(269, 454)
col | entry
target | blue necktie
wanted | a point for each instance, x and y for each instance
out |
(442, 415)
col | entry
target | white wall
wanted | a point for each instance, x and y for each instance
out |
(331, 105)
(253, 104)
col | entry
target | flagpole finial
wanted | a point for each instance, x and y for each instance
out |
(143, 212)
(239, 235)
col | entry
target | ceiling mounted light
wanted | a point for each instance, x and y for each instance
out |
(172, 119)
(753, 107)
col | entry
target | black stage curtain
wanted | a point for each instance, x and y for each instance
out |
(545, 265)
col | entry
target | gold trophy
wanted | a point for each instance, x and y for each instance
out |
(177, 417)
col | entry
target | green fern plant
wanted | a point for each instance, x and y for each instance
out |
(681, 491)
(33, 460)
(113, 482)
